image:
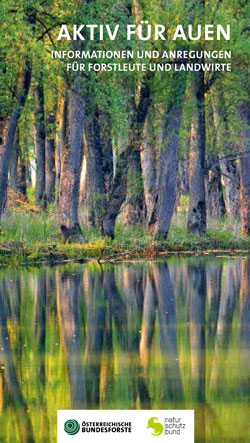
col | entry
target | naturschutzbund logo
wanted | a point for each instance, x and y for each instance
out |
(72, 427)
(157, 427)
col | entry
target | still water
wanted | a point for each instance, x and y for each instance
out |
(151, 335)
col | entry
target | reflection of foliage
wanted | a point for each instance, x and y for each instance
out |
(122, 375)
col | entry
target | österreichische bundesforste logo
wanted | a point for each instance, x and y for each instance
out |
(71, 427)
(157, 427)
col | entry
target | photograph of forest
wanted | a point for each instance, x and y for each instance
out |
(124, 212)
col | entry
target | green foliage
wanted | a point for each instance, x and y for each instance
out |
(32, 238)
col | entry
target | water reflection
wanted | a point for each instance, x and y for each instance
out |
(172, 335)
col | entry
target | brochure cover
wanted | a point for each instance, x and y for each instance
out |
(124, 221)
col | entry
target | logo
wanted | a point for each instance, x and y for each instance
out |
(72, 427)
(157, 427)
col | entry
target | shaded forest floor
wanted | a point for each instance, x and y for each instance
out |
(29, 236)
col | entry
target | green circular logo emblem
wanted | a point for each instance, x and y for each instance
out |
(157, 427)
(71, 427)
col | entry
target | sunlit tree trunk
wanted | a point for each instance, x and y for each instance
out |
(39, 135)
(50, 175)
(93, 191)
(68, 223)
(148, 164)
(61, 124)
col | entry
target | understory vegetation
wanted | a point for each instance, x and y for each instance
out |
(29, 236)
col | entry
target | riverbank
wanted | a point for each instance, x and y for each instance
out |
(30, 238)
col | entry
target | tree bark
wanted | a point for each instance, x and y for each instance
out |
(148, 165)
(50, 175)
(93, 192)
(39, 135)
(182, 178)
(8, 128)
(17, 178)
(61, 122)
(68, 223)
(214, 195)
(165, 191)
(130, 154)
(244, 115)
(13, 164)
(228, 168)
(197, 201)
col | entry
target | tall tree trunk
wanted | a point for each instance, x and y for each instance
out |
(17, 178)
(165, 191)
(133, 206)
(197, 201)
(244, 115)
(8, 128)
(231, 181)
(182, 178)
(68, 223)
(50, 174)
(130, 154)
(93, 192)
(148, 164)
(61, 122)
(214, 195)
(39, 134)
(228, 167)
(21, 175)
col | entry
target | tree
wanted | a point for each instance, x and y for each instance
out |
(39, 135)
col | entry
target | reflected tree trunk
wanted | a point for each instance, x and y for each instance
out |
(244, 329)
(173, 389)
(213, 275)
(148, 321)
(197, 296)
(70, 329)
(95, 317)
(40, 339)
(224, 326)
(10, 377)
